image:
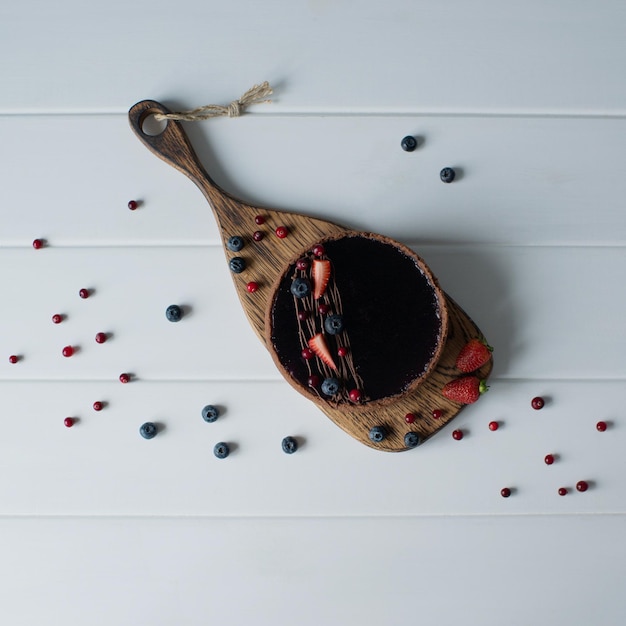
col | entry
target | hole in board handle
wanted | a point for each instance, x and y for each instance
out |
(151, 126)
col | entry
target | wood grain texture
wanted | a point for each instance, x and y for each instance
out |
(268, 263)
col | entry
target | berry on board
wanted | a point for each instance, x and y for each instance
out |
(474, 354)
(377, 434)
(465, 390)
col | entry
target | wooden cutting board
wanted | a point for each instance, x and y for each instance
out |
(397, 334)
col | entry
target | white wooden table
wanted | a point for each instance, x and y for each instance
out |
(99, 526)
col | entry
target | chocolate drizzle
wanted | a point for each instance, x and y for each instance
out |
(314, 324)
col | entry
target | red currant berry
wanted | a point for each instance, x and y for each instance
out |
(57, 319)
(252, 287)
(601, 426)
(124, 378)
(259, 219)
(314, 381)
(281, 232)
(133, 204)
(549, 459)
(342, 352)
(98, 406)
(69, 422)
(318, 250)
(101, 337)
(505, 493)
(323, 309)
(409, 418)
(257, 235)
(562, 491)
(437, 413)
(457, 434)
(13, 358)
(303, 316)
(302, 264)
(68, 351)
(307, 354)
(494, 425)
(37, 244)
(84, 293)
(582, 485)
(537, 403)
(355, 396)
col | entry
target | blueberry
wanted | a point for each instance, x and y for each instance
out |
(300, 287)
(237, 264)
(447, 174)
(210, 413)
(377, 434)
(148, 430)
(235, 243)
(333, 324)
(221, 450)
(411, 440)
(330, 386)
(290, 445)
(408, 143)
(174, 313)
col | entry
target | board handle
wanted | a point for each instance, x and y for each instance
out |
(171, 145)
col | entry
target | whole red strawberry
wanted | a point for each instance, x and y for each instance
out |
(474, 354)
(465, 390)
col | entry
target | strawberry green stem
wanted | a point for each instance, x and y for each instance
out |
(484, 342)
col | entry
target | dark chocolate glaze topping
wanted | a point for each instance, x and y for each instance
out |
(390, 313)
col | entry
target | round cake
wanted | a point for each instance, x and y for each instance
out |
(356, 319)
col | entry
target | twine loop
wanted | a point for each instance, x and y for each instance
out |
(255, 95)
